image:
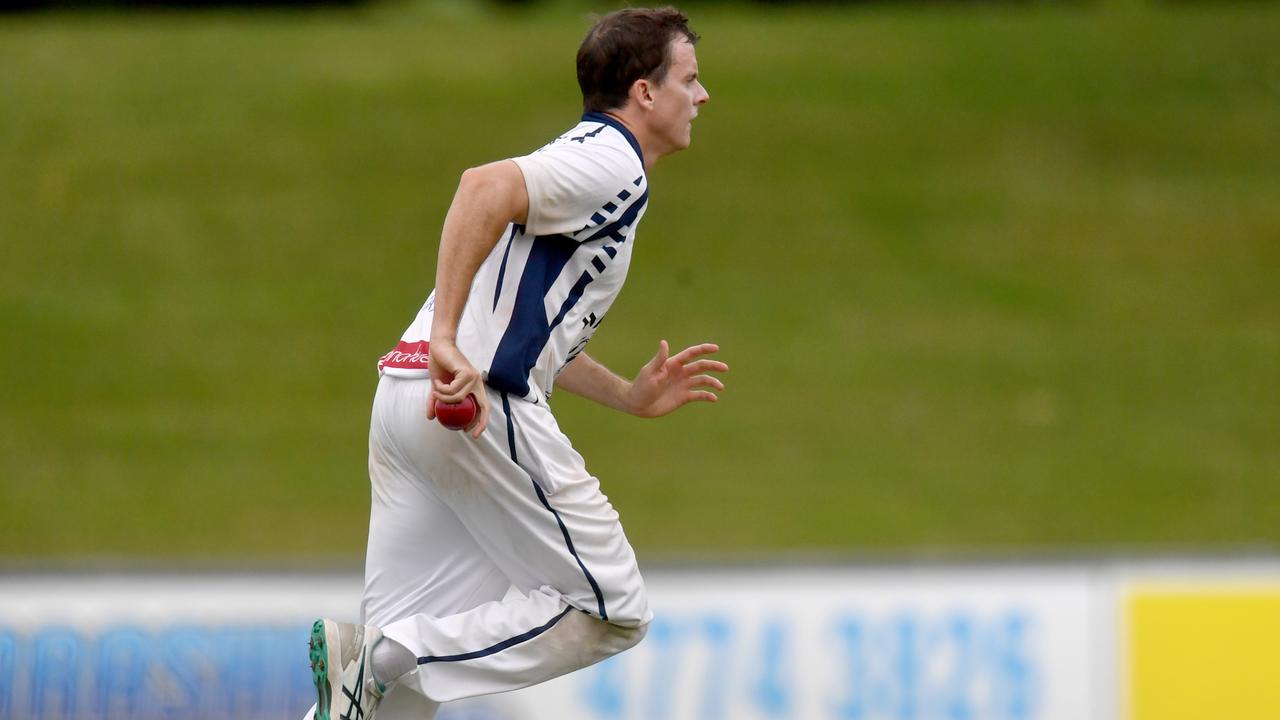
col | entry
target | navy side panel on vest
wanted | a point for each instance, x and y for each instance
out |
(529, 329)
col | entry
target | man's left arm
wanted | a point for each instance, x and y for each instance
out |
(664, 384)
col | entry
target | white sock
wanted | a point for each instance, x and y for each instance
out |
(391, 660)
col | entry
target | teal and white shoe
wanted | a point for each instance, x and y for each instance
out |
(342, 668)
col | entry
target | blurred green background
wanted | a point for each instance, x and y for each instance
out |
(989, 277)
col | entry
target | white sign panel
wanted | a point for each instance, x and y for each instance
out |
(817, 644)
(745, 644)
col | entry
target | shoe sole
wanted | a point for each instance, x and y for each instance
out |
(324, 673)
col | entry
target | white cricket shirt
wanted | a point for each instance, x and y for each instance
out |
(546, 286)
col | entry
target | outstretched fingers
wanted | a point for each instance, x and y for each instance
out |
(660, 358)
(706, 381)
(706, 366)
(698, 385)
(703, 396)
(694, 351)
(669, 382)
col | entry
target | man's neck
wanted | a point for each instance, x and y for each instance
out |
(647, 147)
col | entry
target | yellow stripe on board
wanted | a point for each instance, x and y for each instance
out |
(1204, 652)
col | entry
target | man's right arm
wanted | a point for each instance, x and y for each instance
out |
(488, 197)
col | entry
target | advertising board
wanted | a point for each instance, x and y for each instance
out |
(1201, 646)
(831, 643)
(806, 643)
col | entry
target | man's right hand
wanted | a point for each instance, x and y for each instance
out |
(453, 377)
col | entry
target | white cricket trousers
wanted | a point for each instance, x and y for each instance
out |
(498, 562)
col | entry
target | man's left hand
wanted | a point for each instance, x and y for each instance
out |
(668, 382)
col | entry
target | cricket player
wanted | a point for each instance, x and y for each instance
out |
(494, 560)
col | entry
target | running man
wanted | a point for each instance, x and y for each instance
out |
(494, 560)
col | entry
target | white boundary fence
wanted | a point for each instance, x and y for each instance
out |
(936, 642)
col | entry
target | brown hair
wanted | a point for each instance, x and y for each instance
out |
(623, 47)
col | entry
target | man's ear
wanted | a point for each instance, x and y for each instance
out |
(642, 93)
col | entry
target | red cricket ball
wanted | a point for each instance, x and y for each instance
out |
(457, 416)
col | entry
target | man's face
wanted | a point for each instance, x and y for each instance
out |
(677, 98)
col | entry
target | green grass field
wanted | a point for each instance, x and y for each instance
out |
(992, 277)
